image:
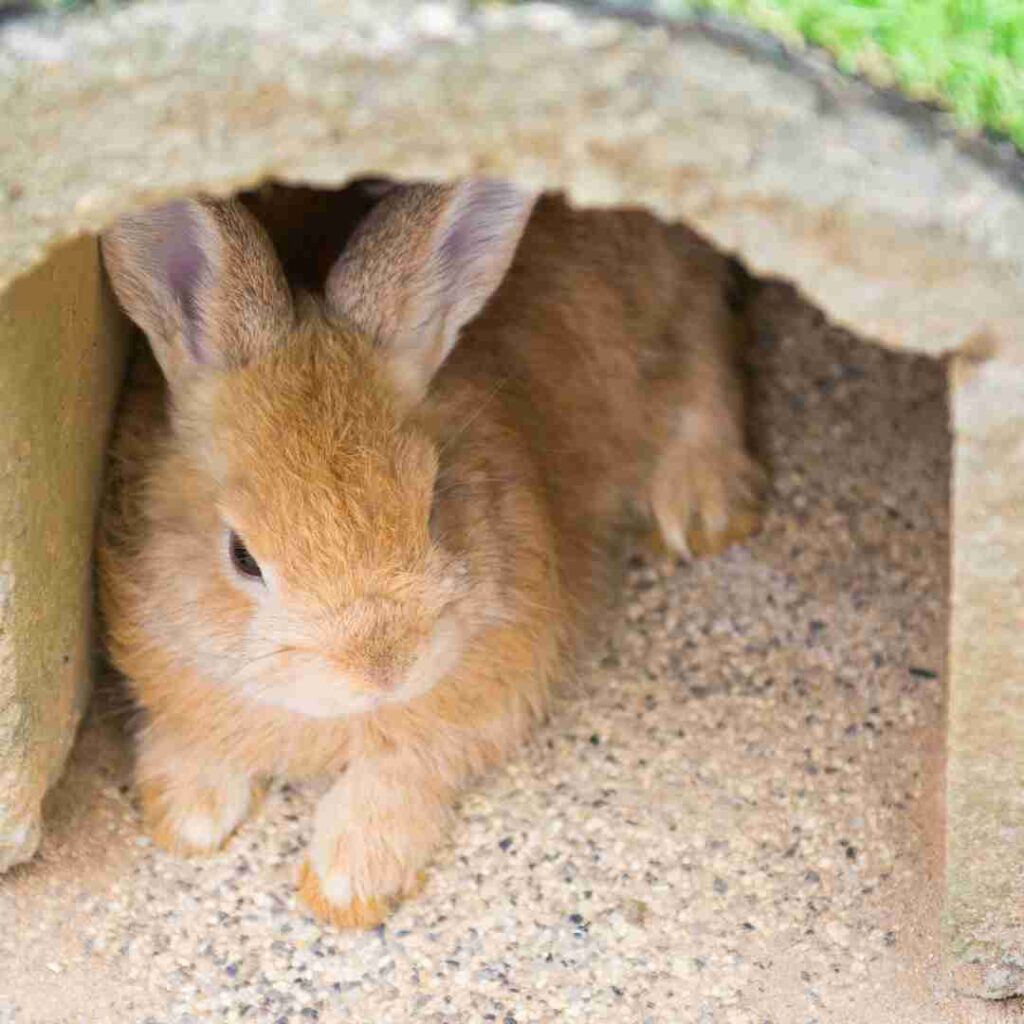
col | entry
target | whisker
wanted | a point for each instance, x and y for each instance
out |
(275, 653)
(453, 485)
(471, 419)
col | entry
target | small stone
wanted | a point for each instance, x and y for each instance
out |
(636, 912)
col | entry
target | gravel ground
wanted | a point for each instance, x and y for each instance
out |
(736, 821)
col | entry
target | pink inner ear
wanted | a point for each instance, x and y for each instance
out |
(480, 221)
(184, 266)
(458, 243)
(478, 243)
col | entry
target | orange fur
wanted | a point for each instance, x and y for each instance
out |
(601, 375)
(359, 913)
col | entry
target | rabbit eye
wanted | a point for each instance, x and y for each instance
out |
(241, 558)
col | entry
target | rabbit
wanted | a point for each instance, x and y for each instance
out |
(361, 533)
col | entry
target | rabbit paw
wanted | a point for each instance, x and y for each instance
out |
(371, 840)
(333, 903)
(197, 818)
(706, 497)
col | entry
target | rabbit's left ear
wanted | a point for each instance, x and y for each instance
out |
(422, 265)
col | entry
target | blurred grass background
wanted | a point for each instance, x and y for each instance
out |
(964, 55)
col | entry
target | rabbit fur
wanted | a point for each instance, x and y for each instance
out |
(426, 465)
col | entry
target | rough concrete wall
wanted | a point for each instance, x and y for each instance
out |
(885, 221)
(61, 348)
(883, 217)
(985, 770)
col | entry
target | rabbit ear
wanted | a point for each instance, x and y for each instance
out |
(202, 281)
(422, 265)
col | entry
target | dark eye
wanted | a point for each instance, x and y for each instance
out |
(241, 559)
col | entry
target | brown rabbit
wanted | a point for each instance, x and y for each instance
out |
(337, 542)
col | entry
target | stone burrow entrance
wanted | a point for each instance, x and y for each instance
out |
(874, 208)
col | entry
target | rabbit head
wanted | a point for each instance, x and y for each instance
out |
(289, 552)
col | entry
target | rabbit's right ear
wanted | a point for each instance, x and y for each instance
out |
(202, 281)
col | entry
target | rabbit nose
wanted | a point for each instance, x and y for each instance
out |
(380, 678)
(373, 674)
(380, 645)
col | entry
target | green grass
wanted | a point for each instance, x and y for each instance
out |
(965, 55)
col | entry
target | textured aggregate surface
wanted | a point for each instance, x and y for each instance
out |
(734, 819)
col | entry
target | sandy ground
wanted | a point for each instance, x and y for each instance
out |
(738, 822)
